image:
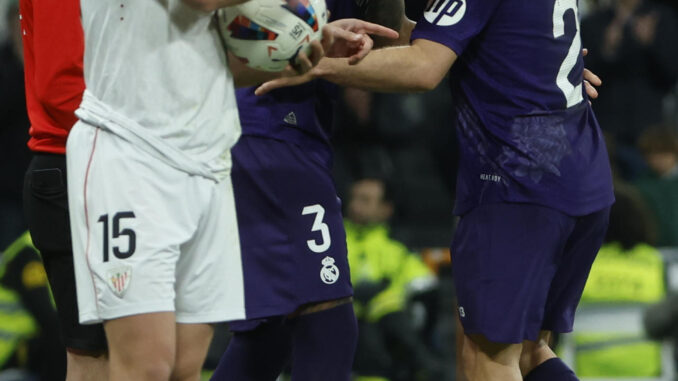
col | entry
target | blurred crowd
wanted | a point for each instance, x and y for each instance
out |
(395, 169)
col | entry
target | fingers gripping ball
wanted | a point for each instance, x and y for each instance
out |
(269, 34)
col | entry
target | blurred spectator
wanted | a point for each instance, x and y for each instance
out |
(659, 187)
(633, 46)
(29, 328)
(385, 276)
(627, 270)
(14, 154)
(400, 136)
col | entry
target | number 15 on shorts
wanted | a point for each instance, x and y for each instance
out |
(119, 231)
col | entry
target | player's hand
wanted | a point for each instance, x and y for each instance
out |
(591, 80)
(288, 78)
(349, 38)
(303, 63)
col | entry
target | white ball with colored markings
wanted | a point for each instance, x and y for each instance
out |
(269, 34)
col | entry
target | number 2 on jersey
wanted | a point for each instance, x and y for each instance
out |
(572, 93)
(318, 225)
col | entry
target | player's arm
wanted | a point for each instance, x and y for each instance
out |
(341, 38)
(417, 67)
(212, 5)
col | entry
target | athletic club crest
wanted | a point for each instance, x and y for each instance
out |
(119, 280)
(329, 273)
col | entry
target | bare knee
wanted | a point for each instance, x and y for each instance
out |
(507, 354)
(85, 366)
(192, 343)
(155, 365)
(141, 347)
(535, 352)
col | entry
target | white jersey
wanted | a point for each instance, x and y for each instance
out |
(156, 75)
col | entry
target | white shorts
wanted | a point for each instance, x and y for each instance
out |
(148, 237)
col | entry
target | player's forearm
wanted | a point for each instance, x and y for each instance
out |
(212, 5)
(395, 69)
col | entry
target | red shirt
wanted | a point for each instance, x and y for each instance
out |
(53, 53)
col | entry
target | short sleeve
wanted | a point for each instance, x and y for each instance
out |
(454, 23)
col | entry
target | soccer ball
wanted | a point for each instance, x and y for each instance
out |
(269, 34)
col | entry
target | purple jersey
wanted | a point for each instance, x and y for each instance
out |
(527, 132)
(300, 114)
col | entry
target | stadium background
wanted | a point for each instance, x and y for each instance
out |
(405, 139)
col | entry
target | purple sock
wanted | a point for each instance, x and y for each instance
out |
(551, 370)
(324, 345)
(256, 355)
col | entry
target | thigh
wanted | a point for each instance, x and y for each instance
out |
(504, 258)
(574, 265)
(46, 207)
(129, 217)
(193, 341)
(242, 360)
(324, 345)
(291, 229)
(209, 274)
(141, 342)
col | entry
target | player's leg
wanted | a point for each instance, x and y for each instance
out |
(491, 361)
(46, 208)
(271, 340)
(539, 362)
(574, 264)
(193, 341)
(141, 347)
(503, 264)
(324, 342)
(85, 366)
(130, 218)
(209, 279)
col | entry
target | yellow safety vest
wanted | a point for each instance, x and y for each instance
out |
(622, 277)
(16, 323)
(374, 256)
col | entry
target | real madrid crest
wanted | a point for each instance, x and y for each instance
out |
(329, 273)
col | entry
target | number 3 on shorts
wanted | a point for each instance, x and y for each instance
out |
(318, 225)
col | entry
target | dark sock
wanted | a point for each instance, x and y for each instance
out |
(551, 370)
(257, 355)
(324, 345)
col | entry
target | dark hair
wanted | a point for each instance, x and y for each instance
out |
(659, 139)
(386, 185)
(630, 220)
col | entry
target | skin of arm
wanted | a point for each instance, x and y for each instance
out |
(413, 68)
(212, 5)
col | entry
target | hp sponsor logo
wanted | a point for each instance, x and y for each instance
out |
(445, 12)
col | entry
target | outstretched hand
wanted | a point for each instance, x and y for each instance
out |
(341, 38)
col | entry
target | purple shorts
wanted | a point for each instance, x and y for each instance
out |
(291, 230)
(521, 268)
